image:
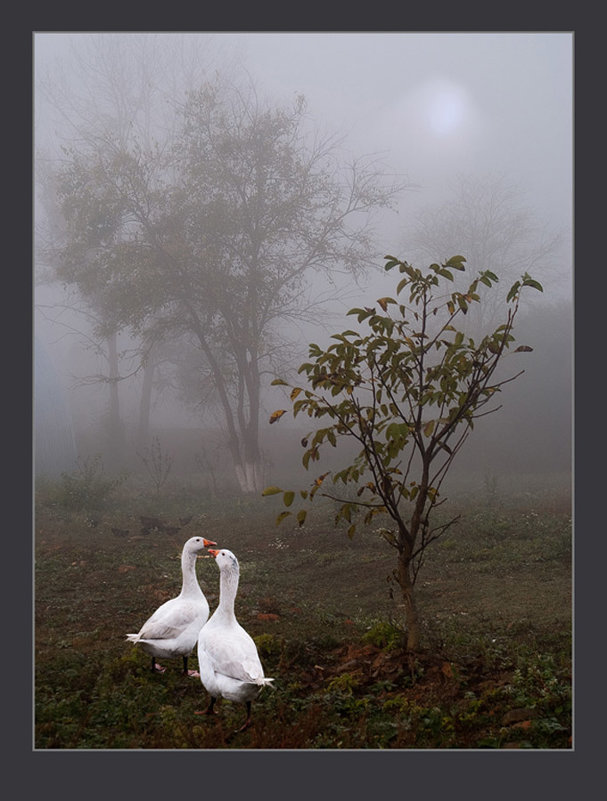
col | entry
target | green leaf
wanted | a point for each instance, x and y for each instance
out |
(281, 517)
(513, 291)
(457, 262)
(301, 516)
(288, 497)
(271, 491)
(402, 284)
(535, 284)
(278, 382)
(429, 427)
(362, 313)
(462, 303)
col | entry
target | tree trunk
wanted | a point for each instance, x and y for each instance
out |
(249, 469)
(249, 476)
(115, 427)
(411, 616)
(145, 403)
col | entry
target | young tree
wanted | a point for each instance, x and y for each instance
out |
(407, 392)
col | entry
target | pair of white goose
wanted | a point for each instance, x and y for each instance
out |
(228, 660)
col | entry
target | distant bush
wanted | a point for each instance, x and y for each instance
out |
(87, 488)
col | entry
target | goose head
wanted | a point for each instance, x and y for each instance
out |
(196, 544)
(225, 559)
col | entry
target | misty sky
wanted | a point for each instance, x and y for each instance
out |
(432, 106)
(435, 104)
(439, 102)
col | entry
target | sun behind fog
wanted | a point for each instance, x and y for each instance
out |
(446, 107)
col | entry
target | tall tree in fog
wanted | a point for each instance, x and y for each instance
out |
(77, 312)
(117, 97)
(262, 209)
(214, 237)
(486, 219)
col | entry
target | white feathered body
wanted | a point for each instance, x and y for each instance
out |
(228, 661)
(174, 627)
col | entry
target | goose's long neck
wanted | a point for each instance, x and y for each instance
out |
(228, 587)
(190, 585)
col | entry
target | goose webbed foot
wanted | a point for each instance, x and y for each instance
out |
(210, 710)
(193, 674)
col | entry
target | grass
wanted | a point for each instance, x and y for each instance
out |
(495, 595)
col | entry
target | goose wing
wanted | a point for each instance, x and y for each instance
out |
(170, 620)
(234, 655)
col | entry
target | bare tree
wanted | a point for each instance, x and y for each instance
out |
(115, 89)
(485, 218)
(216, 236)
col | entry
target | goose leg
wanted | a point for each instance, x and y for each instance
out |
(192, 673)
(209, 710)
(247, 722)
(156, 668)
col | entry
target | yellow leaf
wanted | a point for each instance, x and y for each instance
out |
(429, 427)
(295, 393)
(320, 479)
(277, 415)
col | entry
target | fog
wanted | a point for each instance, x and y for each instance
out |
(437, 112)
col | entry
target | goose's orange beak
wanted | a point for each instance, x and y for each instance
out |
(208, 542)
(212, 551)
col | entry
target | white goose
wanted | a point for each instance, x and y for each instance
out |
(227, 656)
(174, 627)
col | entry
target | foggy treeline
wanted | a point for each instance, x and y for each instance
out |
(196, 229)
